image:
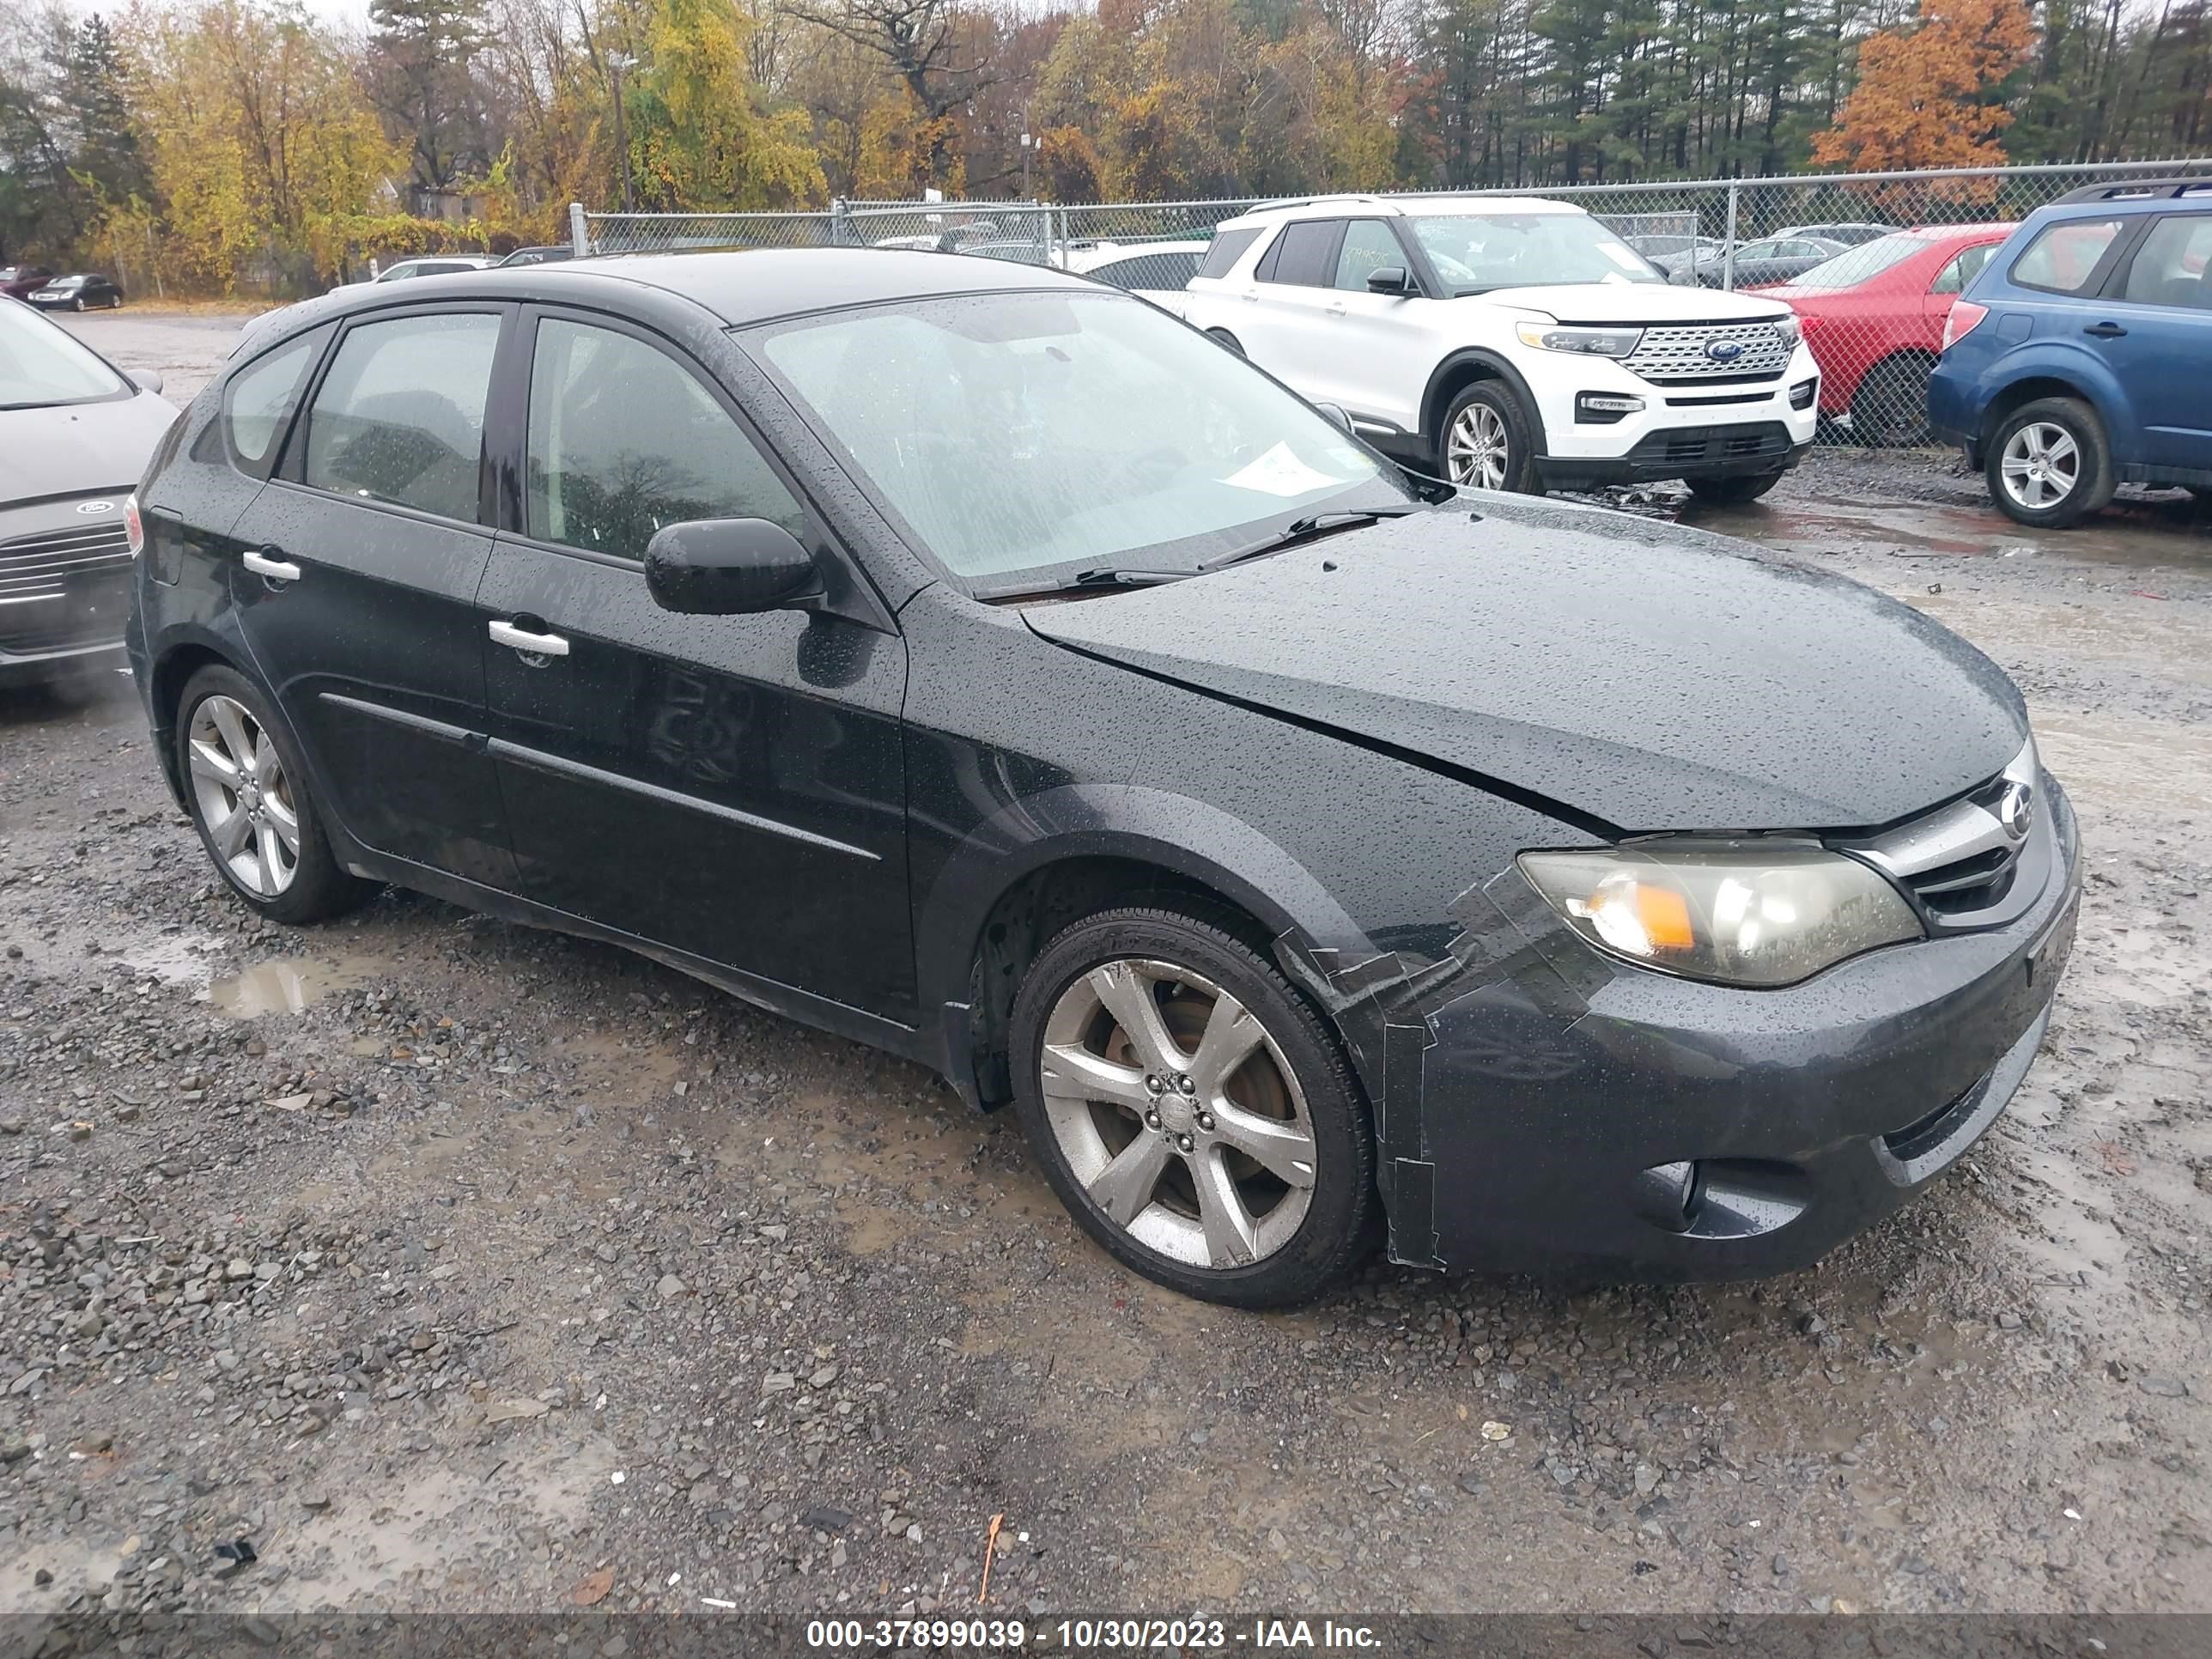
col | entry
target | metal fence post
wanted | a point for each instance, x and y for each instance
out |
(840, 222)
(1728, 242)
(580, 238)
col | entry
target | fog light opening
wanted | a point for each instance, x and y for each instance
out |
(1671, 1195)
(1604, 408)
(1801, 394)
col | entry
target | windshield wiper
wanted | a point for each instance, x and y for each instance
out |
(1305, 529)
(1082, 581)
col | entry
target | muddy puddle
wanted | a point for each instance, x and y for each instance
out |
(289, 984)
(2147, 534)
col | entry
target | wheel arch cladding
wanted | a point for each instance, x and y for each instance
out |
(2103, 400)
(1465, 369)
(1043, 861)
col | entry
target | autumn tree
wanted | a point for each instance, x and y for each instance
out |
(1928, 95)
(701, 135)
(420, 56)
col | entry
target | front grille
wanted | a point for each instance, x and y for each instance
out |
(1961, 859)
(37, 567)
(1693, 445)
(1677, 354)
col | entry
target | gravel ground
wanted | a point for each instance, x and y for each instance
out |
(458, 1265)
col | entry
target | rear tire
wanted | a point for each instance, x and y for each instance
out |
(1117, 1018)
(247, 796)
(2048, 464)
(1487, 441)
(1733, 491)
(1889, 409)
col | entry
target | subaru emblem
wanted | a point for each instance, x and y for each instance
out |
(96, 506)
(1724, 351)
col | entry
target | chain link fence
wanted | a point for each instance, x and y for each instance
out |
(1874, 302)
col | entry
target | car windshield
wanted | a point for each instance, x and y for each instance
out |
(1475, 253)
(41, 366)
(999, 428)
(1857, 264)
(69, 281)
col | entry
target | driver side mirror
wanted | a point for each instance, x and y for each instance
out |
(1391, 279)
(146, 379)
(728, 568)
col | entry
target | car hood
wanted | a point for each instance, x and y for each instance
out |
(1633, 302)
(1646, 676)
(80, 448)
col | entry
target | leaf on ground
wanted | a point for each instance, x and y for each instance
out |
(591, 1588)
(502, 1411)
(2116, 1157)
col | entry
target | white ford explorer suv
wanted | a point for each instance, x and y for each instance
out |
(1510, 343)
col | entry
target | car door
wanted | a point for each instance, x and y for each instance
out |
(1364, 355)
(356, 588)
(1288, 300)
(730, 786)
(2154, 329)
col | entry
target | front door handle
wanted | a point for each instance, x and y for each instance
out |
(530, 644)
(278, 570)
(1335, 310)
(2103, 330)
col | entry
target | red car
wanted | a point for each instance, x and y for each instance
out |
(18, 281)
(1873, 319)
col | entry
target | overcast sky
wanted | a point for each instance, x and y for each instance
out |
(338, 11)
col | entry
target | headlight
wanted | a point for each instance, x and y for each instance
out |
(1749, 913)
(1590, 342)
(1790, 330)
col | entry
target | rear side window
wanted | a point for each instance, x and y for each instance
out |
(2168, 268)
(257, 404)
(623, 440)
(2064, 256)
(1228, 248)
(1149, 271)
(1962, 269)
(399, 417)
(1306, 253)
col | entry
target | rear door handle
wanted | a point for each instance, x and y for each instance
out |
(530, 644)
(2103, 330)
(278, 570)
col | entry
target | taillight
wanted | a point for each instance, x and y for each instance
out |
(1964, 314)
(133, 525)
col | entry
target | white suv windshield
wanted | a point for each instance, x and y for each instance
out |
(1044, 433)
(1475, 253)
(41, 366)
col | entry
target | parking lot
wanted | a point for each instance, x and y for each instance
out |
(458, 1265)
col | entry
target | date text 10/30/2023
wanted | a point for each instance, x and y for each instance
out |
(1174, 1636)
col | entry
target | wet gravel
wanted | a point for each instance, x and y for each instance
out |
(458, 1265)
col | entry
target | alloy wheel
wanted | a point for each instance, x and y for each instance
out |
(1475, 448)
(244, 796)
(1177, 1113)
(2041, 466)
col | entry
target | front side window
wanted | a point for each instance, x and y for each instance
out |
(2168, 268)
(998, 427)
(1369, 247)
(1475, 253)
(624, 440)
(2064, 256)
(42, 367)
(399, 417)
(260, 397)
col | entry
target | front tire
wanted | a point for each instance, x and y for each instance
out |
(1733, 491)
(2049, 466)
(77, 304)
(248, 795)
(1488, 440)
(1193, 1113)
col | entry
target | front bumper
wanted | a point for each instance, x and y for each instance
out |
(64, 590)
(1557, 1120)
(1661, 439)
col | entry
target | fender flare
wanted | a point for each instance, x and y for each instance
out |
(1432, 411)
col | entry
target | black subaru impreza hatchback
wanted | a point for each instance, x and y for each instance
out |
(980, 664)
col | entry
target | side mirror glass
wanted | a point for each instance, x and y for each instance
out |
(728, 568)
(1390, 279)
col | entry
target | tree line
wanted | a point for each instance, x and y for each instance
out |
(215, 145)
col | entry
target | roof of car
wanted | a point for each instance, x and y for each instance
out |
(740, 286)
(1396, 207)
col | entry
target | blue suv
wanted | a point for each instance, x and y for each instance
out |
(2081, 358)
